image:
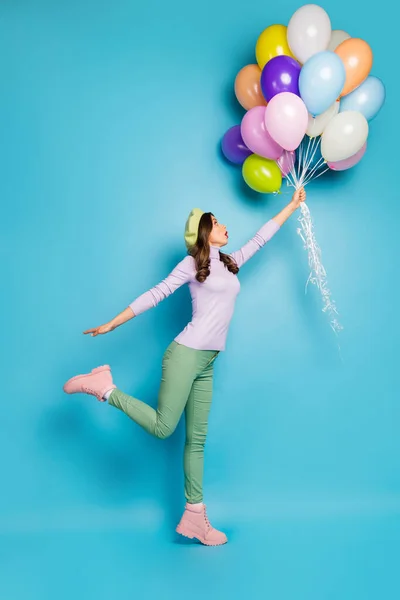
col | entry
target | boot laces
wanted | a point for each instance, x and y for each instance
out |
(206, 518)
(89, 390)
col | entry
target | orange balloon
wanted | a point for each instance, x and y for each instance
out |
(357, 59)
(248, 88)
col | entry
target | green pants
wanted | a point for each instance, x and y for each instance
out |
(186, 385)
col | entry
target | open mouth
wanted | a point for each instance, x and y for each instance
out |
(226, 234)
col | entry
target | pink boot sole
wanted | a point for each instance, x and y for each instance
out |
(192, 536)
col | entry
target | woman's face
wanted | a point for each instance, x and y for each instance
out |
(219, 235)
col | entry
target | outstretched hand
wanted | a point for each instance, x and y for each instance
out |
(99, 330)
(299, 196)
(123, 317)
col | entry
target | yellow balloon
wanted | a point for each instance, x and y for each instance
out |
(272, 42)
(261, 174)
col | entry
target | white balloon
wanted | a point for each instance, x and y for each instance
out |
(338, 36)
(344, 136)
(309, 31)
(318, 124)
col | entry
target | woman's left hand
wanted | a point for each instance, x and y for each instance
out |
(298, 197)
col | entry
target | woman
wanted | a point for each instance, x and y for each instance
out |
(187, 368)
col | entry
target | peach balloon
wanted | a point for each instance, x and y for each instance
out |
(248, 88)
(357, 59)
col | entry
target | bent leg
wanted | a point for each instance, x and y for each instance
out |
(178, 373)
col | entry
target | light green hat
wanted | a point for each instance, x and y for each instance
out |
(192, 227)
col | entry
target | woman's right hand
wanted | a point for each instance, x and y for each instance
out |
(99, 330)
(123, 317)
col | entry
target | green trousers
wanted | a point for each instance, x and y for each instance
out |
(186, 385)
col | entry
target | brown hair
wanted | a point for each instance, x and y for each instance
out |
(201, 251)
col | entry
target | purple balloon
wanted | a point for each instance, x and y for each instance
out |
(280, 74)
(233, 146)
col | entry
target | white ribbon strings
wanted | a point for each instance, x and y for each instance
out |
(300, 176)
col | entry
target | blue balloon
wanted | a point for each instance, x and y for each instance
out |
(321, 80)
(367, 99)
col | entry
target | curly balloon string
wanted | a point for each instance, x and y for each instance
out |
(300, 176)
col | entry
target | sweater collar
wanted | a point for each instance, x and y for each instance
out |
(214, 252)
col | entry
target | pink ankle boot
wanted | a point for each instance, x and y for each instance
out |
(195, 524)
(97, 383)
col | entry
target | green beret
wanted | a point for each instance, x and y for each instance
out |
(192, 227)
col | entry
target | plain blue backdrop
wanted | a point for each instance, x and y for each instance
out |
(110, 119)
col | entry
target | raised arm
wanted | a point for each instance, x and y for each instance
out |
(262, 236)
(182, 274)
(268, 230)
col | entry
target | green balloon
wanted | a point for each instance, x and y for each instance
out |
(261, 174)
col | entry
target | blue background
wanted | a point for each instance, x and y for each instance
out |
(110, 120)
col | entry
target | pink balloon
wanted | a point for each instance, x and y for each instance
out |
(286, 162)
(347, 163)
(256, 136)
(286, 119)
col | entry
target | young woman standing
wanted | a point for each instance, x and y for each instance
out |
(187, 368)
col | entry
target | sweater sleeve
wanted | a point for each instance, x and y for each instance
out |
(263, 236)
(180, 275)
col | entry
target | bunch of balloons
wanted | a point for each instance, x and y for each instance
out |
(309, 81)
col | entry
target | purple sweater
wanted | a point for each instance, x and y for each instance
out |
(213, 301)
